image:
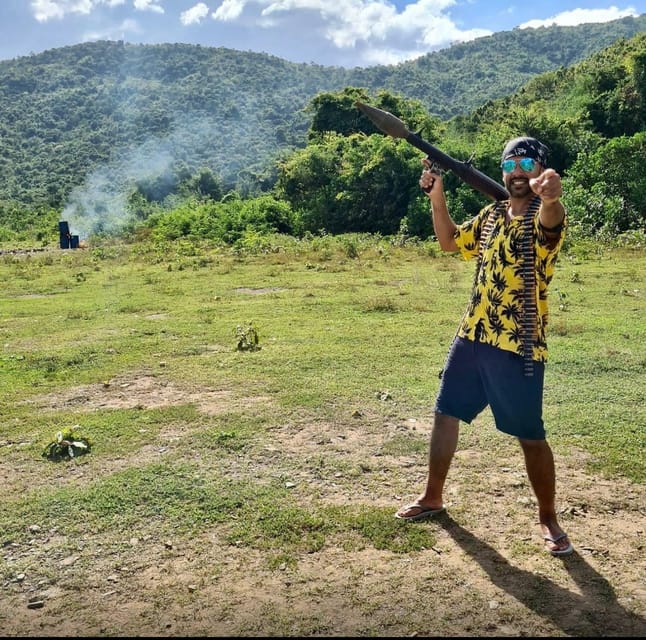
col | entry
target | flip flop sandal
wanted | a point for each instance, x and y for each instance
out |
(559, 552)
(424, 512)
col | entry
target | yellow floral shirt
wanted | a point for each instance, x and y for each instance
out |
(494, 312)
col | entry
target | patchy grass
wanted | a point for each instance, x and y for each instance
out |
(251, 491)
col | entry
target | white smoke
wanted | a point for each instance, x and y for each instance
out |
(100, 204)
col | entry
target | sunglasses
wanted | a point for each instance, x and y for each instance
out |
(526, 164)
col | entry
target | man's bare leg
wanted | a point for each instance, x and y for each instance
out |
(444, 441)
(539, 463)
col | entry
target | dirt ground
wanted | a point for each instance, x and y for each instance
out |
(487, 575)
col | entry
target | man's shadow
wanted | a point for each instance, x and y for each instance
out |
(593, 612)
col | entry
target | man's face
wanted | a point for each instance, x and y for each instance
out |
(517, 172)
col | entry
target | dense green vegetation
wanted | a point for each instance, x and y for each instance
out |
(180, 140)
(351, 178)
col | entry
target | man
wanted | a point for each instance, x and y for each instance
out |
(499, 352)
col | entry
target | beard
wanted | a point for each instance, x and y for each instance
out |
(518, 187)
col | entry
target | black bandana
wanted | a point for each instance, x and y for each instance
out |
(527, 148)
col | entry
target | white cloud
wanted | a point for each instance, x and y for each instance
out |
(117, 32)
(351, 22)
(194, 15)
(44, 10)
(377, 56)
(148, 5)
(357, 21)
(375, 28)
(581, 16)
(229, 10)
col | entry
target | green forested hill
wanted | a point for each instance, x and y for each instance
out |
(457, 80)
(107, 112)
(66, 112)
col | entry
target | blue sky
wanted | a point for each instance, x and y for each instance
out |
(349, 33)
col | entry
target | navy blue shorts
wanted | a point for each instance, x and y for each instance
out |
(476, 375)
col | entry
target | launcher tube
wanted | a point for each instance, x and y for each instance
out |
(393, 126)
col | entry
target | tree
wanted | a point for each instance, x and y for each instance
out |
(614, 175)
(336, 112)
(204, 184)
(353, 183)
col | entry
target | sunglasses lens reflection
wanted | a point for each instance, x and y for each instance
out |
(526, 164)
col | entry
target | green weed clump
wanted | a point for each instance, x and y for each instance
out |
(66, 445)
(247, 338)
